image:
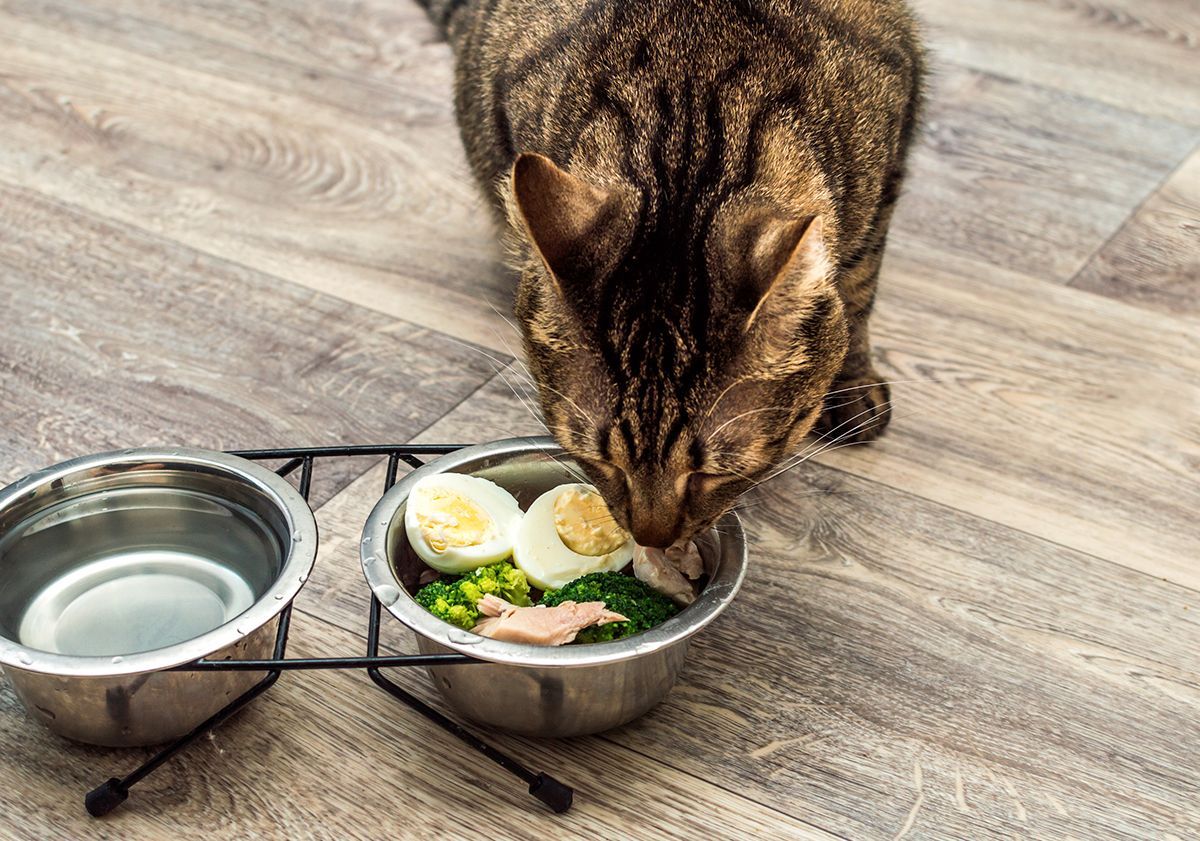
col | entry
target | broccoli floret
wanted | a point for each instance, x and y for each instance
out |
(454, 600)
(502, 579)
(643, 606)
(446, 600)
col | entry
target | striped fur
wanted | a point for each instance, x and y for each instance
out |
(698, 209)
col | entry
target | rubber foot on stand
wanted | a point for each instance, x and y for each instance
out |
(104, 798)
(551, 792)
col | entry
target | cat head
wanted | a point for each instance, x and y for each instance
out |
(680, 356)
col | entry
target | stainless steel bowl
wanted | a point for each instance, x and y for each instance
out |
(539, 690)
(114, 567)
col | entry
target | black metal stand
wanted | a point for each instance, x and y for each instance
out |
(113, 792)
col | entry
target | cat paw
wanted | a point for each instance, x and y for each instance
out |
(855, 411)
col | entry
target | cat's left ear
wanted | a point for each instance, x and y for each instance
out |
(777, 271)
(575, 226)
(785, 263)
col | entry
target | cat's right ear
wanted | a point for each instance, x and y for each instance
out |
(574, 226)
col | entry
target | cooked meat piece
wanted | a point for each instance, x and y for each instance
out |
(556, 625)
(685, 557)
(491, 605)
(651, 567)
(483, 625)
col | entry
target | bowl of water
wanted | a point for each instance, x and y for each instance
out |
(116, 567)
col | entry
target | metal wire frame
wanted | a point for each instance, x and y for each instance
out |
(114, 791)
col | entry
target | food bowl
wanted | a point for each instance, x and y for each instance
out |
(538, 690)
(115, 567)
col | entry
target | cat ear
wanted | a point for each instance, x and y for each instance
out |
(779, 270)
(786, 264)
(570, 222)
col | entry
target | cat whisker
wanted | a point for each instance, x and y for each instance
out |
(824, 439)
(745, 414)
(501, 367)
(809, 452)
(836, 444)
(536, 415)
(872, 385)
(721, 397)
(584, 416)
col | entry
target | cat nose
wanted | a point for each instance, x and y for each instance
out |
(653, 530)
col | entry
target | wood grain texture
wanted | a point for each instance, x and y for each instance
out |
(1154, 260)
(893, 664)
(333, 200)
(1028, 178)
(244, 222)
(1072, 417)
(116, 338)
(327, 755)
(376, 60)
(1142, 55)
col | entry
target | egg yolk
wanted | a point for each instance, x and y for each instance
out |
(584, 524)
(447, 518)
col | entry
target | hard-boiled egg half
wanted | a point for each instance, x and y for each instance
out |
(456, 522)
(568, 532)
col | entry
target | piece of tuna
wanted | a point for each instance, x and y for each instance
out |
(685, 557)
(556, 625)
(651, 567)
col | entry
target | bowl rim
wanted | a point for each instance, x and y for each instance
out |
(387, 587)
(300, 555)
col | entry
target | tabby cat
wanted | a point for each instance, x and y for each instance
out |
(697, 194)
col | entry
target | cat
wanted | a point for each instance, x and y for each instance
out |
(697, 196)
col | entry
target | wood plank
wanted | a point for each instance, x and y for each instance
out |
(895, 666)
(115, 338)
(1142, 55)
(1154, 260)
(379, 60)
(1065, 415)
(1028, 178)
(381, 215)
(326, 755)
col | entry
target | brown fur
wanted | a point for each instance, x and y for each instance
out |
(698, 195)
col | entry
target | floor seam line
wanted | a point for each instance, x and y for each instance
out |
(1129, 218)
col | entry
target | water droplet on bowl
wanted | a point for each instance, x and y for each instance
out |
(118, 659)
(25, 658)
(127, 452)
(367, 539)
(303, 578)
(387, 595)
(297, 537)
(279, 597)
(240, 631)
(464, 637)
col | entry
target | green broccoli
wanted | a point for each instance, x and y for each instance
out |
(502, 579)
(454, 600)
(643, 606)
(445, 600)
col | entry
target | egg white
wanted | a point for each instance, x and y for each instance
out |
(498, 503)
(549, 563)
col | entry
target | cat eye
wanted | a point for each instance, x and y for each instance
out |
(703, 483)
(607, 469)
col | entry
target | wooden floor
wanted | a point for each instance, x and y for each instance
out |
(240, 223)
